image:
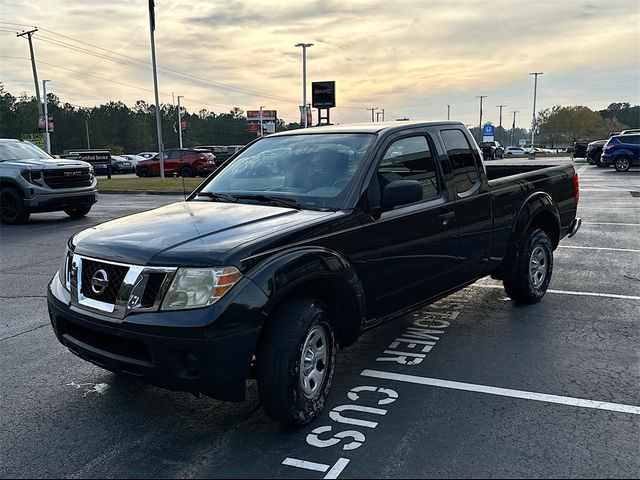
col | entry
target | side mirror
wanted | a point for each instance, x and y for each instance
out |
(400, 192)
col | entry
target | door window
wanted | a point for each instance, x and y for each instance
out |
(410, 158)
(465, 168)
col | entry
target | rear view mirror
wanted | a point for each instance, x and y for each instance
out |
(400, 192)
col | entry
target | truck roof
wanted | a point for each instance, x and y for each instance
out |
(371, 127)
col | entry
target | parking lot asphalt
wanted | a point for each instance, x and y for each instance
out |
(548, 390)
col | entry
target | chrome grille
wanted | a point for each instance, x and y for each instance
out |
(115, 276)
(129, 288)
(67, 177)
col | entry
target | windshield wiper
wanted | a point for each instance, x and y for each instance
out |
(217, 196)
(273, 200)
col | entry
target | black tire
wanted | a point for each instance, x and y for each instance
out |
(12, 209)
(284, 395)
(622, 163)
(529, 283)
(186, 172)
(143, 172)
(77, 212)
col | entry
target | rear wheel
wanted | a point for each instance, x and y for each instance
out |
(622, 163)
(12, 210)
(77, 212)
(296, 361)
(143, 172)
(186, 172)
(533, 269)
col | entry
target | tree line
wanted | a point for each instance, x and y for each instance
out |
(124, 129)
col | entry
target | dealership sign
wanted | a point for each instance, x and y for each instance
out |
(266, 118)
(323, 94)
(267, 115)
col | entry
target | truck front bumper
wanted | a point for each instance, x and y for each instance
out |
(176, 358)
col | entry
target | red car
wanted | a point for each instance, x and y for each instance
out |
(186, 162)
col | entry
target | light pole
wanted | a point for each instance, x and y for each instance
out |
(152, 28)
(304, 79)
(47, 138)
(179, 122)
(372, 110)
(480, 129)
(261, 127)
(86, 126)
(448, 112)
(513, 126)
(535, 89)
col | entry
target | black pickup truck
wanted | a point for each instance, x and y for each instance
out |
(296, 246)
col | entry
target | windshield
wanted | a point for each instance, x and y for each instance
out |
(314, 170)
(21, 151)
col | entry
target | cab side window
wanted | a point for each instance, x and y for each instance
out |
(173, 154)
(462, 158)
(410, 158)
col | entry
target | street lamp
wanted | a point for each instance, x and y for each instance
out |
(304, 78)
(533, 122)
(480, 128)
(47, 138)
(179, 122)
(261, 127)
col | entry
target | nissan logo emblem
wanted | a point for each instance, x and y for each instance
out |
(99, 282)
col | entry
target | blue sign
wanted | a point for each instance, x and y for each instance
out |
(488, 130)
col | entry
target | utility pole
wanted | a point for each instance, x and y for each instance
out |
(535, 89)
(47, 138)
(33, 66)
(480, 129)
(448, 112)
(372, 110)
(179, 122)
(382, 114)
(513, 126)
(152, 28)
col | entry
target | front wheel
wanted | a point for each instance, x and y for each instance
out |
(143, 172)
(622, 163)
(12, 209)
(296, 361)
(77, 212)
(533, 269)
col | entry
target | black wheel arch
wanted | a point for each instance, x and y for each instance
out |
(537, 211)
(320, 273)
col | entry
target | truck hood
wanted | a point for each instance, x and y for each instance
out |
(190, 233)
(45, 164)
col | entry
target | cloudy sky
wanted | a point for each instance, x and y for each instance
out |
(409, 57)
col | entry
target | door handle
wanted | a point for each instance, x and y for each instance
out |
(445, 218)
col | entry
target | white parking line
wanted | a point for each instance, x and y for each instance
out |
(600, 248)
(612, 223)
(568, 292)
(504, 392)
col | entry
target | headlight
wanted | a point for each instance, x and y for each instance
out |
(63, 272)
(199, 287)
(32, 176)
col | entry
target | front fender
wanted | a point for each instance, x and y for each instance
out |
(279, 275)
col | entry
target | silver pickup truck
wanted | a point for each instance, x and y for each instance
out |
(32, 181)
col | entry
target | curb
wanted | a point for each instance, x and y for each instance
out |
(144, 192)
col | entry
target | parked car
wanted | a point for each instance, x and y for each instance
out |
(120, 164)
(221, 153)
(594, 152)
(580, 149)
(186, 162)
(513, 151)
(32, 181)
(233, 149)
(147, 154)
(267, 274)
(491, 150)
(622, 151)
(134, 159)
